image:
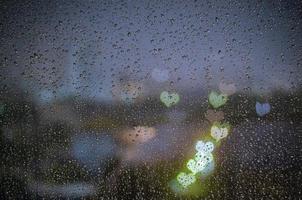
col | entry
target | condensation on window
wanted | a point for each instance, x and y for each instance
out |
(150, 99)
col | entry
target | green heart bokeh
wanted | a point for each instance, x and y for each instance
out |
(217, 100)
(186, 179)
(169, 99)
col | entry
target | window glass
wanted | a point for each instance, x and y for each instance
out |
(150, 99)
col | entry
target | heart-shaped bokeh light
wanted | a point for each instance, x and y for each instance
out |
(214, 116)
(219, 133)
(262, 109)
(227, 88)
(217, 100)
(160, 75)
(207, 147)
(186, 179)
(169, 99)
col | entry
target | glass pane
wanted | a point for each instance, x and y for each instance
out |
(150, 99)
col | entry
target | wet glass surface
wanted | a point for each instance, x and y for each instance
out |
(150, 99)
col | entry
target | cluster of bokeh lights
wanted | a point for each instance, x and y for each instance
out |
(203, 161)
